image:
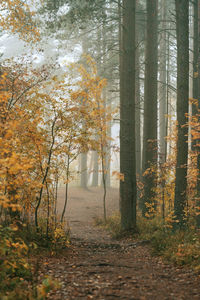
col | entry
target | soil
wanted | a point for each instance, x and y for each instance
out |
(97, 267)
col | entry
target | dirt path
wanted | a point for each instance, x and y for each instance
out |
(84, 206)
(97, 267)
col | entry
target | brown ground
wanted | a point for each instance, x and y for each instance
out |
(84, 206)
(97, 267)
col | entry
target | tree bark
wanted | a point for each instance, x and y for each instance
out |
(182, 31)
(163, 85)
(128, 192)
(83, 170)
(138, 105)
(196, 95)
(108, 156)
(195, 54)
(150, 106)
(95, 171)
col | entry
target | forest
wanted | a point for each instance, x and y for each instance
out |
(99, 149)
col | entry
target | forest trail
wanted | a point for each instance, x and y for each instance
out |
(97, 267)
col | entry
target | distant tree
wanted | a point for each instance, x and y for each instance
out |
(90, 24)
(95, 169)
(83, 170)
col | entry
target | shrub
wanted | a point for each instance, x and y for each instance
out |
(17, 278)
(15, 272)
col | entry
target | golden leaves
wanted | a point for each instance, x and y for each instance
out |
(16, 16)
(118, 175)
(47, 130)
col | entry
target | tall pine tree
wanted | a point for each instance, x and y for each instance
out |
(127, 117)
(182, 31)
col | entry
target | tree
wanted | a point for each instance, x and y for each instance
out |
(140, 28)
(127, 118)
(83, 170)
(91, 21)
(17, 17)
(196, 95)
(195, 52)
(182, 31)
(150, 107)
(95, 170)
(163, 85)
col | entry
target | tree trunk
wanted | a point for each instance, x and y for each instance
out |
(138, 107)
(106, 99)
(150, 107)
(108, 156)
(95, 172)
(182, 31)
(66, 190)
(196, 95)
(195, 54)
(83, 170)
(127, 118)
(163, 85)
(121, 89)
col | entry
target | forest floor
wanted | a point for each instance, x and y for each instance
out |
(97, 267)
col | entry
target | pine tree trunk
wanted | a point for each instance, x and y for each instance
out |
(108, 156)
(127, 118)
(121, 89)
(182, 30)
(163, 85)
(195, 54)
(138, 108)
(196, 95)
(150, 106)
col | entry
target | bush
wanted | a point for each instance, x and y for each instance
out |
(181, 247)
(15, 272)
(17, 278)
(57, 239)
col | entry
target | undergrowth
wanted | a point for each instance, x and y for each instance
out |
(181, 247)
(112, 225)
(58, 238)
(19, 245)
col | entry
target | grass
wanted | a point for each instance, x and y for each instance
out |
(112, 225)
(180, 247)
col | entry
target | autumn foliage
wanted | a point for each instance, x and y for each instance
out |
(47, 119)
(43, 129)
(17, 17)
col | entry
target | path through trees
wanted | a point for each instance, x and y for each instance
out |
(98, 267)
